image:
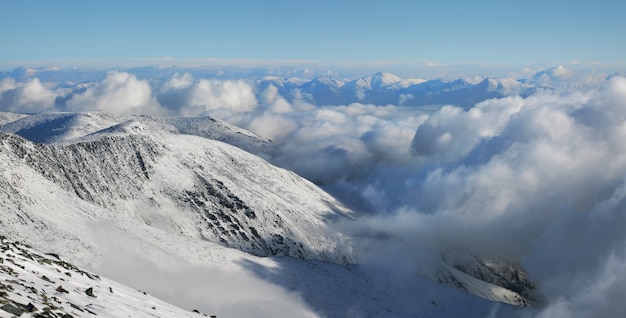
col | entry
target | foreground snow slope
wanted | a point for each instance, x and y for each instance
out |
(43, 285)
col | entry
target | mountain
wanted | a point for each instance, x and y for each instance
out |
(375, 81)
(322, 90)
(285, 86)
(59, 127)
(388, 89)
(222, 193)
(50, 128)
(147, 200)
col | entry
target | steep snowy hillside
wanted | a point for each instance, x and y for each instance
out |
(44, 285)
(212, 190)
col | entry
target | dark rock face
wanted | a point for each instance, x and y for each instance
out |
(12, 309)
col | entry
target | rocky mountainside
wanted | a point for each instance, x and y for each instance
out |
(215, 190)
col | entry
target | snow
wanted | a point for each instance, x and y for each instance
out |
(53, 286)
(6, 117)
(376, 81)
(57, 127)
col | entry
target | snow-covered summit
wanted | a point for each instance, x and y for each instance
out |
(54, 128)
(375, 81)
(59, 127)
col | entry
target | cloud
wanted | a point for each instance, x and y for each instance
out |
(178, 81)
(211, 288)
(537, 180)
(452, 132)
(207, 95)
(118, 92)
(599, 293)
(333, 143)
(183, 95)
(25, 97)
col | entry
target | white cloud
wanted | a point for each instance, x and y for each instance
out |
(452, 132)
(212, 288)
(118, 92)
(539, 180)
(25, 97)
(178, 81)
(598, 293)
(273, 126)
(207, 95)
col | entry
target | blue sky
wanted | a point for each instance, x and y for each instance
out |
(446, 32)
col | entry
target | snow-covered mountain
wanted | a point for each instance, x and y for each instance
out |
(388, 89)
(52, 128)
(166, 190)
(223, 194)
(322, 90)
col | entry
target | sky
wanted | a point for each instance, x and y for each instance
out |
(537, 171)
(433, 32)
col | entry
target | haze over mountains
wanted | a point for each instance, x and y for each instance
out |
(481, 185)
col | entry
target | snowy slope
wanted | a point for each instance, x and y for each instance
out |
(218, 191)
(44, 285)
(62, 127)
(215, 129)
(58, 127)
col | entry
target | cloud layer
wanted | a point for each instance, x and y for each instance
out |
(539, 179)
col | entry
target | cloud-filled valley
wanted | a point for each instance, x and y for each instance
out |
(531, 170)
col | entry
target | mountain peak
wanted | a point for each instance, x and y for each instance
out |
(375, 81)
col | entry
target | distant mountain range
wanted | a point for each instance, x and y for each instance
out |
(388, 89)
(378, 89)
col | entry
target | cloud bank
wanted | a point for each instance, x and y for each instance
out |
(538, 179)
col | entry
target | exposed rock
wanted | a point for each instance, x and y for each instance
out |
(12, 309)
(60, 289)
